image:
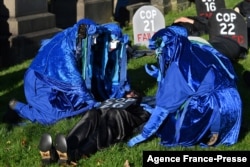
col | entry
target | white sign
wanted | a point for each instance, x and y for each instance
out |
(121, 103)
(147, 20)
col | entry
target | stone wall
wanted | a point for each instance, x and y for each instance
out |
(25, 23)
(183, 4)
(168, 5)
(68, 12)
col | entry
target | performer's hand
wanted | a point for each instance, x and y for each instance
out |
(137, 139)
(147, 107)
(153, 71)
(184, 20)
(236, 9)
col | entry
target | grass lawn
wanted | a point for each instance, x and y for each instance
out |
(18, 144)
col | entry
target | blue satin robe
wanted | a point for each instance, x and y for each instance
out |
(53, 84)
(196, 90)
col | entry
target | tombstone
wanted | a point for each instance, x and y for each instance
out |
(228, 23)
(248, 20)
(206, 8)
(248, 28)
(133, 7)
(65, 12)
(28, 23)
(146, 21)
(98, 10)
(170, 5)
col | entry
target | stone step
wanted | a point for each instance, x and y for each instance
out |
(35, 37)
(25, 46)
(43, 34)
(31, 23)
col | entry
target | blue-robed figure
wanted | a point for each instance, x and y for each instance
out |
(197, 101)
(53, 84)
(58, 83)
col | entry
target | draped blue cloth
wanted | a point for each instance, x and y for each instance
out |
(197, 93)
(53, 84)
(56, 59)
(110, 63)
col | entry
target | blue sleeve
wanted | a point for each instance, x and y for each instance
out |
(169, 98)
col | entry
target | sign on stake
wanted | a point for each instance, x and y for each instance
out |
(206, 8)
(228, 23)
(146, 21)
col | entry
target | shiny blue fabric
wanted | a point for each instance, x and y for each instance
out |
(197, 90)
(111, 73)
(56, 57)
(53, 84)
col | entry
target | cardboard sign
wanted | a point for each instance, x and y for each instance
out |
(228, 23)
(121, 103)
(206, 8)
(146, 21)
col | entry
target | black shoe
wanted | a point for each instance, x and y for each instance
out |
(61, 149)
(246, 78)
(45, 147)
(11, 117)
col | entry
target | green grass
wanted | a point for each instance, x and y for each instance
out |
(18, 144)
